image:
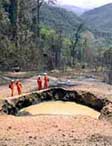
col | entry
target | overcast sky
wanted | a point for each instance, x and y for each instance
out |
(86, 3)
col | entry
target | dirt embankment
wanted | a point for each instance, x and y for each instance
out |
(13, 104)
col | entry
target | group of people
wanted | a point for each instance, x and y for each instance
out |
(44, 81)
(18, 85)
(40, 83)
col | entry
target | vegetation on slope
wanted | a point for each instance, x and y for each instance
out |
(99, 18)
(62, 41)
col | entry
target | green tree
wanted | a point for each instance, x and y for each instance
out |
(39, 4)
(108, 62)
(74, 41)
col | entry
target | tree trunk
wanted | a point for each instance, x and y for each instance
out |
(17, 24)
(38, 19)
(110, 76)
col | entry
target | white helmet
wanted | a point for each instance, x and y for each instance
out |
(45, 73)
(39, 76)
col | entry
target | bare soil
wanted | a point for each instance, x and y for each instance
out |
(54, 131)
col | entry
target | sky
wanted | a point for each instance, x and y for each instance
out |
(85, 3)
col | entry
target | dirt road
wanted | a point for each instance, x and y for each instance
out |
(94, 86)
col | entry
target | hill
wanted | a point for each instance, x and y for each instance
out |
(56, 17)
(99, 18)
(77, 10)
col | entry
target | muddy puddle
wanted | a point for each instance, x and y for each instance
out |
(60, 108)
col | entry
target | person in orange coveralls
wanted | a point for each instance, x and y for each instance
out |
(11, 86)
(46, 81)
(39, 82)
(19, 87)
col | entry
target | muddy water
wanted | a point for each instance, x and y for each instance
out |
(58, 107)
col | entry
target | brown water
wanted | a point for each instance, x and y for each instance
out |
(63, 108)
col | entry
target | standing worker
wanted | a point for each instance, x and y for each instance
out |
(11, 86)
(46, 81)
(19, 87)
(39, 82)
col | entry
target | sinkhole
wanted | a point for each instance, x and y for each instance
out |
(58, 101)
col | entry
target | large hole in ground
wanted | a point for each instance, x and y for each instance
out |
(55, 101)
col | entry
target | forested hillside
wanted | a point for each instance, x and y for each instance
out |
(99, 18)
(35, 35)
(20, 43)
(56, 18)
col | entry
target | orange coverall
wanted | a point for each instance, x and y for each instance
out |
(11, 86)
(39, 83)
(46, 82)
(19, 87)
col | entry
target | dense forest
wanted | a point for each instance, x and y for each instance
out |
(38, 35)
